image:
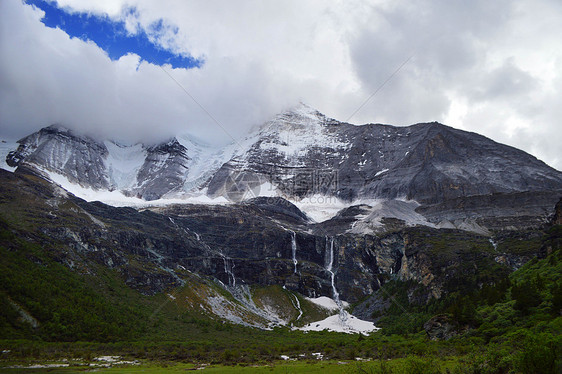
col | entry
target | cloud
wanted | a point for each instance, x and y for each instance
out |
(51, 78)
(483, 66)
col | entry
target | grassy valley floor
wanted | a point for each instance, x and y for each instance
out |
(405, 365)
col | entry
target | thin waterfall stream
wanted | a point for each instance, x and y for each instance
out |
(336, 295)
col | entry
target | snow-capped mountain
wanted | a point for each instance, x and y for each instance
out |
(302, 153)
(56, 149)
(394, 195)
(147, 171)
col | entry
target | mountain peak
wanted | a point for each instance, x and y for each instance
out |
(57, 128)
(301, 112)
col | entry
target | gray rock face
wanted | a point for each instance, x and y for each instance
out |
(163, 171)
(461, 179)
(145, 171)
(497, 211)
(79, 158)
(303, 152)
(557, 218)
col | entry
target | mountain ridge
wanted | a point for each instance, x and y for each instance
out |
(300, 154)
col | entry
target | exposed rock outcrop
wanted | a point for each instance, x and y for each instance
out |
(440, 327)
(557, 219)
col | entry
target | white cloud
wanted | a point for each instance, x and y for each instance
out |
(489, 67)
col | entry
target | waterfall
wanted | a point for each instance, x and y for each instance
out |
(297, 306)
(335, 293)
(228, 268)
(185, 230)
(294, 248)
(494, 244)
(229, 272)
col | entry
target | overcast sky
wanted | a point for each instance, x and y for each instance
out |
(492, 67)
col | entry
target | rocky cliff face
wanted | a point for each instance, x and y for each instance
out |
(557, 219)
(163, 171)
(302, 152)
(259, 242)
(148, 172)
(56, 149)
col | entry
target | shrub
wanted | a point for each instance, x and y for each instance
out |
(538, 357)
(418, 365)
(526, 296)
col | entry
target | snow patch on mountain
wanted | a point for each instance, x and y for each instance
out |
(118, 199)
(326, 302)
(293, 133)
(404, 210)
(381, 172)
(6, 146)
(349, 325)
(204, 161)
(123, 163)
(319, 208)
(115, 198)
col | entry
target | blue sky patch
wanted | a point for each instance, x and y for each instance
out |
(111, 36)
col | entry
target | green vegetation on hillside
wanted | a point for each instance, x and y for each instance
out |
(509, 324)
(67, 306)
(505, 323)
